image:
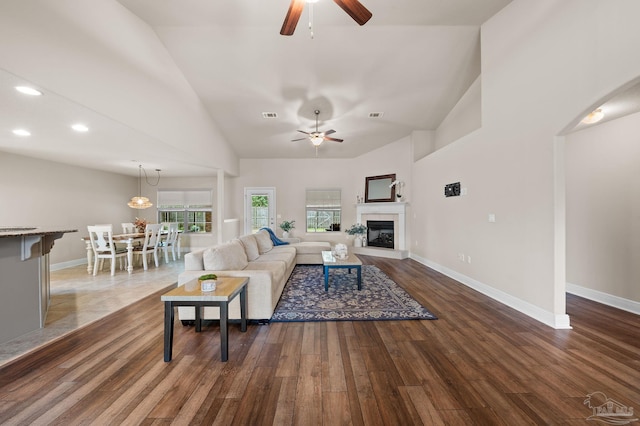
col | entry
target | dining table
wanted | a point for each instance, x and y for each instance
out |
(130, 240)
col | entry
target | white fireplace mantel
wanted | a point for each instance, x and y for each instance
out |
(397, 208)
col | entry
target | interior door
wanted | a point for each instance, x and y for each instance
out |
(260, 208)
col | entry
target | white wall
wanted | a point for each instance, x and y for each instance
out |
(544, 64)
(603, 208)
(43, 193)
(464, 118)
(292, 177)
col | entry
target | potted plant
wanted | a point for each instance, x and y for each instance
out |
(287, 226)
(207, 282)
(358, 230)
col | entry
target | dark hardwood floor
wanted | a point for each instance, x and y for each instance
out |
(480, 363)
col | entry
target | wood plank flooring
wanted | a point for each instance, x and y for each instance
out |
(480, 363)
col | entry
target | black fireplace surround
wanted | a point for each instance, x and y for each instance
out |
(380, 233)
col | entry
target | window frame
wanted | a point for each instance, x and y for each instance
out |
(189, 212)
(335, 210)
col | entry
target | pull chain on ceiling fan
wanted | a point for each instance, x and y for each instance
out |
(317, 137)
(354, 8)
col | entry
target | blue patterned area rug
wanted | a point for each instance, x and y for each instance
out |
(304, 297)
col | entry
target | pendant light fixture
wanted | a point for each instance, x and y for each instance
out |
(140, 202)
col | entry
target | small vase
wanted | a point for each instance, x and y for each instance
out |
(208, 285)
(357, 241)
(285, 234)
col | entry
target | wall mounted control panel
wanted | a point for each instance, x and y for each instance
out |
(452, 189)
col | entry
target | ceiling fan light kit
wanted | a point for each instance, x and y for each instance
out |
(317, 137)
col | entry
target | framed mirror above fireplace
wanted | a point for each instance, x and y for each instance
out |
(379, 189)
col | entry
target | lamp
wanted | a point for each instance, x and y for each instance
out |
(140, 202)
(593, 116)
(316, 139)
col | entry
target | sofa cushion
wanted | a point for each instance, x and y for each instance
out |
(311, 247)
(264, 241)
(275, 268)
(250, 246)
(228, 256)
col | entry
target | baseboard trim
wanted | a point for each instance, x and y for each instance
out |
(68, 264)
(381, 252)
(533, 311)
(605, 298)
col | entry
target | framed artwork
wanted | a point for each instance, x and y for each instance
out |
(379, 189)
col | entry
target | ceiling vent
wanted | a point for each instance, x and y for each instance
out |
(376, 114)
(269, 115)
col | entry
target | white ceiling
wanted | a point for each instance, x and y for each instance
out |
(412, 61)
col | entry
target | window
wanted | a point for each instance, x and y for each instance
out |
(323, 210)
(192, 209)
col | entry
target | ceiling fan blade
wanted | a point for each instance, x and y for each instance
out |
(333, 139)
(302, 131)
(301, 139)
(356, 10)
(293, 15)
(328, 132)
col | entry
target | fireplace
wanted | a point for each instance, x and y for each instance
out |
(380, 233)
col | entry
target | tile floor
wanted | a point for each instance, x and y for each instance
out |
(78, 299)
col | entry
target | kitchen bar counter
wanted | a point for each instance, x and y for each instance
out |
(24, 278)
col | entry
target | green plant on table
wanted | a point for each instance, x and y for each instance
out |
(357, 229)
(287, 225)
(208, 277)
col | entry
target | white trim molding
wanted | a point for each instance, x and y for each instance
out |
(68, 264)
(605, 298)
(397, 209)
(548, 318)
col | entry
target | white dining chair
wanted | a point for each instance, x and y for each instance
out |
(128, 228)
(101, 237)
(170, 240)
(150, 245)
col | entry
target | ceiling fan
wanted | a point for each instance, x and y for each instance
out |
(354, 8)
(318, 137)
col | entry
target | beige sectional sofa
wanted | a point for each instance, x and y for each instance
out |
(254, 255)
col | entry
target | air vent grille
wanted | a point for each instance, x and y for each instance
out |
(376, 114)
(269, 115)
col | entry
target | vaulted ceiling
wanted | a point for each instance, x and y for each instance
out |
(411, 62)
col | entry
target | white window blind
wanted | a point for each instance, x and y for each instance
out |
(323, 198)
(185, 199)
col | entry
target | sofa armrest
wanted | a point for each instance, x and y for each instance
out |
(193, 261)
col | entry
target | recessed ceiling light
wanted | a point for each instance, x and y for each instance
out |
(28, 91)
(593, 117)
(80, 127)
(21, 132)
